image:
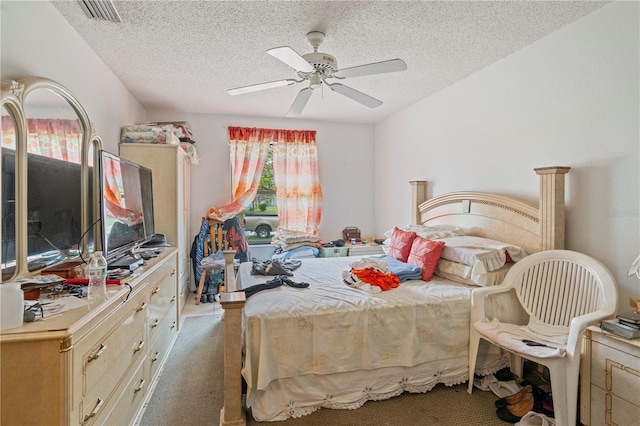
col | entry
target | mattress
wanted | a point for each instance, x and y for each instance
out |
(336, 346)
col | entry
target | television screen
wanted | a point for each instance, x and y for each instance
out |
(54, 207)
(127, 205)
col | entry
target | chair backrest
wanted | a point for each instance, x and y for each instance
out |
(555, 286)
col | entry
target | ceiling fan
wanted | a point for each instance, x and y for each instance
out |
(318, 68)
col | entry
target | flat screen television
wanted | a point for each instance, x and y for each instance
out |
(54, 207)
(126, 204)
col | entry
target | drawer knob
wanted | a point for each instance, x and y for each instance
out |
(95, 410)
(173, 299)
(101, 350)
(140, 386)
(139, 347)
(155, 357)
(173, 325)
(141, 306)
(173, 272)
(157, 289)
(154, 324)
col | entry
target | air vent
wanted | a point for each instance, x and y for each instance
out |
(100, 9)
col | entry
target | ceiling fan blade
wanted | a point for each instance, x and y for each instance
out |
(300, 102)
(356, 95)
(291, 58)
(260, 86)
(391, 65)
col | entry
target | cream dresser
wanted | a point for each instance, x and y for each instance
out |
(610, 380)
(171, 169)
(92, 365)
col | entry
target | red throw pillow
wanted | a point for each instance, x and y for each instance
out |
(425, 254)
(400, 245)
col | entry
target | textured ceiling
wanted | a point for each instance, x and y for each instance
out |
(184, 55)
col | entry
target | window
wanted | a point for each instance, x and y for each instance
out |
(261, 217)
(290, 185)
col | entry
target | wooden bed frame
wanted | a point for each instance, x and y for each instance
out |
(486, 215)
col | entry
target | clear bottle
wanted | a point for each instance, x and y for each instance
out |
(97, 274)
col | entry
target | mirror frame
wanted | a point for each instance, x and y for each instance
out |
(12, 96)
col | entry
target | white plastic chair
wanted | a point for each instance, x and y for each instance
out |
(563, 292)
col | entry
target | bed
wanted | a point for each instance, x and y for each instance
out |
(331, 345)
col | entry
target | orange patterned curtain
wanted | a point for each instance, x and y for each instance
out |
(54, 138)
(249, 147)
(295, 168)
(57, 138)
(8, 133)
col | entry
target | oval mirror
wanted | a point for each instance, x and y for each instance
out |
(8, 231)
(55, 139)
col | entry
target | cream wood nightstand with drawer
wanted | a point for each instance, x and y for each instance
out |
(93, 366)
(610, 380)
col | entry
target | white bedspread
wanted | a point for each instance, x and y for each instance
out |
(330, 328)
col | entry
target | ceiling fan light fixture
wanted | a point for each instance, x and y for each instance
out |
(315, 80)
(318, 68)
(315, 39)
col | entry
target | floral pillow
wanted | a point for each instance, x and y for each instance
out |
(425, 254)
(400, 244)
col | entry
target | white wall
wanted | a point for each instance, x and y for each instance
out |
(571, 99)
(345, 154)
(37, 41)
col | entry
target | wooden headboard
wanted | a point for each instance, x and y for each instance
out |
(534, 228)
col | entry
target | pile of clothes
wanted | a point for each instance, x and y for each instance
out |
(371, 275)
(291, 244)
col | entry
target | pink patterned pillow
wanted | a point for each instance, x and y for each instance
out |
(425, 254)
(400, 245)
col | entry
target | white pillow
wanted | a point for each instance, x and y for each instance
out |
(482, 254)
(462, 273)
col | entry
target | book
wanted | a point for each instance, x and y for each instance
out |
(614, 326)
(629, 317)
(630, 324)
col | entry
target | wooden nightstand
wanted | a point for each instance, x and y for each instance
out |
(365, 249)
(610, 379)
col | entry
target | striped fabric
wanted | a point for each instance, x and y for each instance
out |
(202, 235)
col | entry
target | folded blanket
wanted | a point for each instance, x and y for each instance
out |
(274, 267)
(404, 271)
(302, 252)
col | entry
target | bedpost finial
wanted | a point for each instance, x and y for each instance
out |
(555, 170)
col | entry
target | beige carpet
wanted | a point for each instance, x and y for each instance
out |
(189, 392)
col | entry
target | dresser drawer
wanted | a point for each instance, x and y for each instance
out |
(610, 409)
(159, 274)
(129, 400)
(162, 303)
(159, 349)
(616, 372)
(106, 363)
